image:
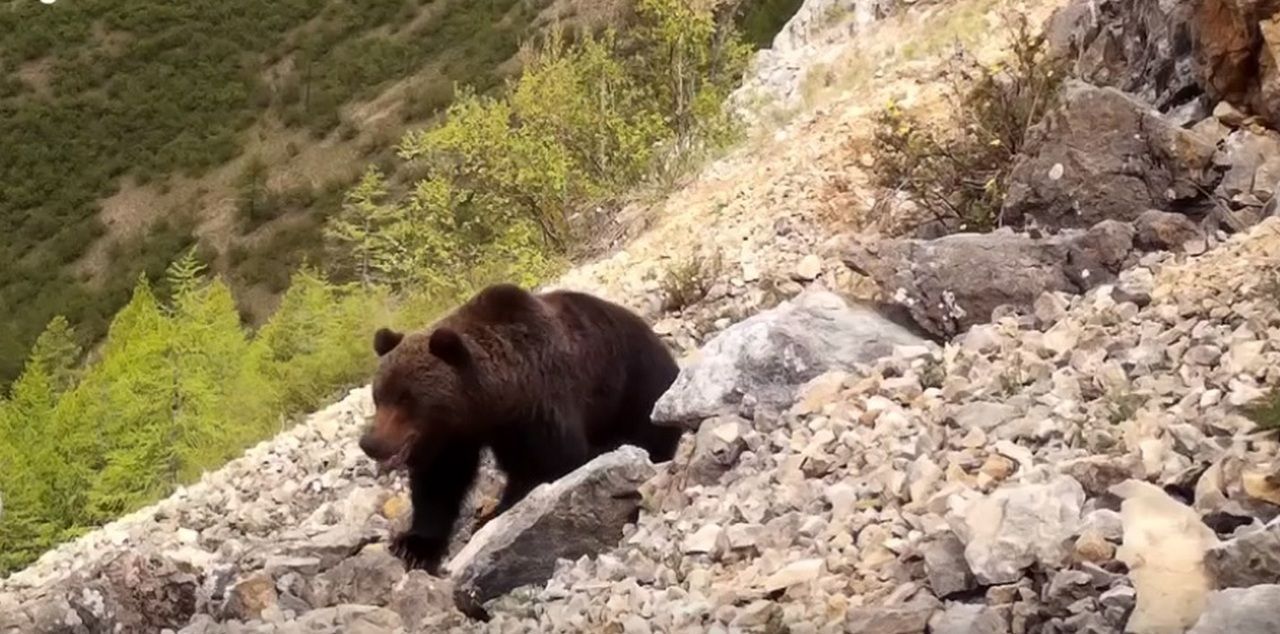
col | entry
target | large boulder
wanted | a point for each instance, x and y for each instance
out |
(770, 355)
(955, 282)
(1241, 611)
(1102, 154)
(1144, 47)
(1006, 532)
(1250, 559)
(1238, 42)
(1177, 54)
(581, 514)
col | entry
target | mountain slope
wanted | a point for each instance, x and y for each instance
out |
(969, 486)
(138, 129)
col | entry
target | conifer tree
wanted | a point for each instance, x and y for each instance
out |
(128, 397)
(57, 353)
(355, 233)
(25, 461)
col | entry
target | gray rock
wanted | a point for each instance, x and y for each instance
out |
(250, 596)
(1118, 158)
(366, 579)
(968, 618)
(356, 619)
(1139, 46)
(945, 566)
(984, 415)
(142, 591)
(770, 355)
(1248, 560)
(1243, 155)
(425, 603)
(910, 618)
(1241, 611)
(1097, 474)
(582, 513)
(1163, 231)
(1018, 526)
(933, 279)
(716, 448)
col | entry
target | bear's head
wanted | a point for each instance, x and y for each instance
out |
(418, 395)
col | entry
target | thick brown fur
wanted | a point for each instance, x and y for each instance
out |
(546, 381)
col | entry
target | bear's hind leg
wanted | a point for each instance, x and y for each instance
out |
(437, 490)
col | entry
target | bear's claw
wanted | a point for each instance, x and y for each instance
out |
(418, 552)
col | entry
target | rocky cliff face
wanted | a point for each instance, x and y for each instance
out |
(1055, 443)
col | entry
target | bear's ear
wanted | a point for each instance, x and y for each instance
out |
(448, 345)
(386, 340)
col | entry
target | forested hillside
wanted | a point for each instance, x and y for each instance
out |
(103, 95)
(104, 100)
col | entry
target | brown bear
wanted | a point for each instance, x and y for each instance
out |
(546, 381)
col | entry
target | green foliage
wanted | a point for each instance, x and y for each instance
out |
(178, 388)
(57, 354)
(178, 385)
(688, 280)
(583, 123)
(1266, 412)
(692, 58)
(761, 20)
(133, 87)
(958, 169)
(356, 231)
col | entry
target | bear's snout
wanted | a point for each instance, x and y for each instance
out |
(373, 448)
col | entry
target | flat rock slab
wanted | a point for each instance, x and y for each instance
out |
(770, 355)
(580, 514)
(955, 282)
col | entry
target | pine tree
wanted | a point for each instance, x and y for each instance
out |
(355, 233)
(128, 399)
(57, 353)
(26, 461)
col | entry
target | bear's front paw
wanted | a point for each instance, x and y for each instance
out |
(418, 552)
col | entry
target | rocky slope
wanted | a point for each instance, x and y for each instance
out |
(1070, 458)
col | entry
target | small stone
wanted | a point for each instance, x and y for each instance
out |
(1228, 114)
(966, 618)
(703, 541)
(945, 566)
(911, 618)
(794, 573)
(1203, 355)
(1250, 559)
(808, 269)
(997, 467)
(983, 415)
(741, 536)
(1092, 546)
(249, 597)
(1261, 484)
(396, 507)
(1050, 308)
(1015, 527)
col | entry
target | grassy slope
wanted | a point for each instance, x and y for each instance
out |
(135, 129)
(128, 127)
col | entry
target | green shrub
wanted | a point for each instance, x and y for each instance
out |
(687, 281)
(957, 169)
